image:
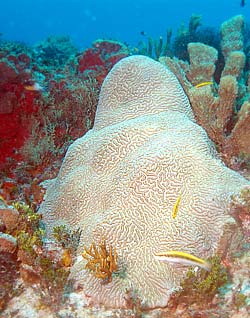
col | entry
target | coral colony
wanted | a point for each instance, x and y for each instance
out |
(125, 175)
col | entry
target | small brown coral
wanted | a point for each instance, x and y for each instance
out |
(101, 261)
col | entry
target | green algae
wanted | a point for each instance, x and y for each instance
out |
(240, 300)
(202, 286)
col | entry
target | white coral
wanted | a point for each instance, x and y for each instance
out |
(121, 180)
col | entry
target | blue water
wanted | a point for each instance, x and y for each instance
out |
(87, 20)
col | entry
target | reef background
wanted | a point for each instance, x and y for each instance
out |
(38, 125)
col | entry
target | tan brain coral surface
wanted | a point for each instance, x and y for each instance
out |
(120, 181)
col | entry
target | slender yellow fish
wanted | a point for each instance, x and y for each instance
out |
(176, 207)
(203, 84)
(182, 258)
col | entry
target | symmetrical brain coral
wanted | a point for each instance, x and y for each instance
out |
(121, 180)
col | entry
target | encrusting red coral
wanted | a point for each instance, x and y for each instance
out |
(39, 121)
(101, 57)
(16, 105)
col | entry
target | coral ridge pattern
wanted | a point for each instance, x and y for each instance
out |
(120, 182)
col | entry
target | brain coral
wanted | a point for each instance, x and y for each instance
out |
(121, 180)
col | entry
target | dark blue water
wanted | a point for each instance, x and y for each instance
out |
(86, 20)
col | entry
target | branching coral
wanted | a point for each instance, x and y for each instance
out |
(102, 261)
(155, 47)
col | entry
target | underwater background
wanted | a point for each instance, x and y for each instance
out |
(88, 20)
(125, 159)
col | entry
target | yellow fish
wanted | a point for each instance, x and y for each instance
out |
(203, 84)
(176, 206)
(182, 258)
